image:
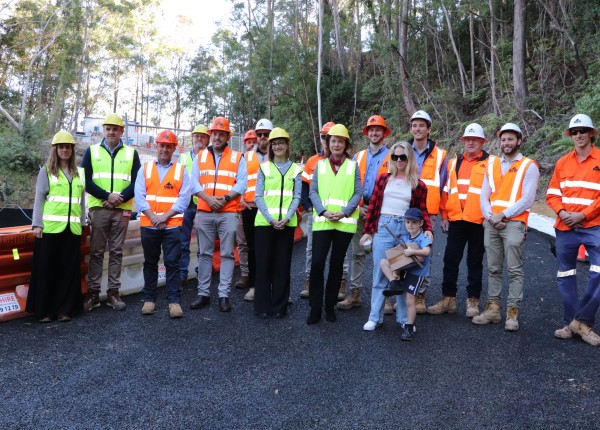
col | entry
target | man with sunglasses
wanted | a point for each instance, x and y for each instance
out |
(574, 194)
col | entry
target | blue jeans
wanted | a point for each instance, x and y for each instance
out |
(170, 240)
(382, 241)
(186, 237)
(567, 245)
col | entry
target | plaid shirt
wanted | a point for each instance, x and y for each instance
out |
(418, 199)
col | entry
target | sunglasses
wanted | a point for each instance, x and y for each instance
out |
(262, 134)
(401, 157)
(576, 131)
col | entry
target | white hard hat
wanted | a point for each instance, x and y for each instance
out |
(580, 120)
(421, 114)
(474, 130)
(264, 124)
(509, 126)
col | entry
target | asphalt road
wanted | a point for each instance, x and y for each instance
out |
(212, 370)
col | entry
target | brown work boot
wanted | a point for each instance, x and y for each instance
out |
(491, 314)
(149, 308)
(388, 309)
(352, 299)
(249, 297)
(445, 305)
(91, 300)
(563, 333)
(244, 282)
(420, 304)
(305, 292)
(342, 292)
(512, 319)
(472, 307)
(175, 310)
(585, 331)
(114, 301)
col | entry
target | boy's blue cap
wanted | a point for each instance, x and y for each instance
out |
(414, 214)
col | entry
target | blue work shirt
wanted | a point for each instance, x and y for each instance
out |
(374, 162)
(422, 241)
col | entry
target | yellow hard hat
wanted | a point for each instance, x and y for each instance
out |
(63, 137)
(200, 129)
(278, 133)
(339, 130)
(113, 119)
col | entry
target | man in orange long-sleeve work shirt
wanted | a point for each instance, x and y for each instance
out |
(574, 194)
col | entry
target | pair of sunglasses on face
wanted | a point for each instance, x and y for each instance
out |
(576, 131)
(401, 157)
(262, 134)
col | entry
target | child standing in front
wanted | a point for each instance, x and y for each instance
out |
(411, 280)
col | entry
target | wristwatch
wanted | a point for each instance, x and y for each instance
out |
(227, 198)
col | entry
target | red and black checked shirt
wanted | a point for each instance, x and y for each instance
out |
(418, 199)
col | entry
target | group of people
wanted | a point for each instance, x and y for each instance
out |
(374, 199)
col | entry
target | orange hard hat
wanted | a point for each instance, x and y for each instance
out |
(166, 136)
(250, 134)
(326, 127)
(220, 123)
(376, 120)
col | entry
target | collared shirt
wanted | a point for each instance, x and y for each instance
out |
(241, 180)
(374, 162)
(111, 151)
(530, 182)
(422, 156)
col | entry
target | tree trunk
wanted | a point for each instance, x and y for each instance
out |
(338, 37)
(493, 58)
(409, 103)
(472, 46)
(320, 63)
(461, 68)
(519, 75)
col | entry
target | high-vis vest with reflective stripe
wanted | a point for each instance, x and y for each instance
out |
(161, 196)
(309, 168)
(430, 175)
(252, 165)
(335, 192)
(507, 189)
(219, 181)
(361, 159)
(63, 203)
(472, 207)
(111, 174)
(187, 160)
(278, 193)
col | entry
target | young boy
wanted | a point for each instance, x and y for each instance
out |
(411, 280)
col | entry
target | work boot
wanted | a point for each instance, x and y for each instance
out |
(249, 297)
(149, 308)
(407, 332)
(91, 300)
(388, 309)
(114, 301)
(175, 310)
(446, 304)
(585, 331)
(563, 333)
(305, 292)
(491, 314)
(420, 304)
(472, 307)
(342, 292)
(244, 282)
(352, 299)
(512, 322)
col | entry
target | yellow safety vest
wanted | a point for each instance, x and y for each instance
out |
(187, 160)
(278, 193)
(111, 174)
(63, 203)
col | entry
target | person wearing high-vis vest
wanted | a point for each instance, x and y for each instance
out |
(335, 193)
(248, 207)
(432, 167)
(200, 138)
(278, 189)
(219, 179)
(507, 193)
(574, 194)
(58, 218)
(110, 172)
(462, 220)
(162, 194)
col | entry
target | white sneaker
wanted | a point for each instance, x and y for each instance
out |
(370, 326)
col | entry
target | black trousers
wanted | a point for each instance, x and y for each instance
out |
(461, 234)
(248, 216)
(273, 269)
(323, 240)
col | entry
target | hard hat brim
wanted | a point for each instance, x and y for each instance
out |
(386, 133)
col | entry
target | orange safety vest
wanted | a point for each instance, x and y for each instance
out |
(218, 181)
(430, 175)
(361, 159)
(161, 196)
(252, 165)
(507, 189)
(309, 168)
(453, 201)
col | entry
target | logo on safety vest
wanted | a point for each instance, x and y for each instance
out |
(168, 186)
(596, 169)
(513, 170)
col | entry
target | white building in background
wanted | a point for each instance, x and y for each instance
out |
(92, 132)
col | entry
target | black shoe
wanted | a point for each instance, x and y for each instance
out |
(395, 289)
(314, 316)
(262, 315)
(224, 305)
(330, 314)
(407, 332)
(280, 314)
(200, 302)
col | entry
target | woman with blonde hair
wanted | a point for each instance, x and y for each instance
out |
(393, 195)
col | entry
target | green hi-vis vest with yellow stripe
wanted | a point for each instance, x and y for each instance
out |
(186, 159)
(335, 192)
(278, 193)
(111, 174)
(63, 203)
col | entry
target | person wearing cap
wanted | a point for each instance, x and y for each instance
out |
(110, 168)
(162, 195)
(335, 193)
(393, 195)
(574, 194)
(249, 142)
(58, 219)
(200, 139)
(432, 166)
(507, 194)
(219, 179)
(462, 220)
(372, 162)
(278, 190)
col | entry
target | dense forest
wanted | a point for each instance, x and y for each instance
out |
(300, 63)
